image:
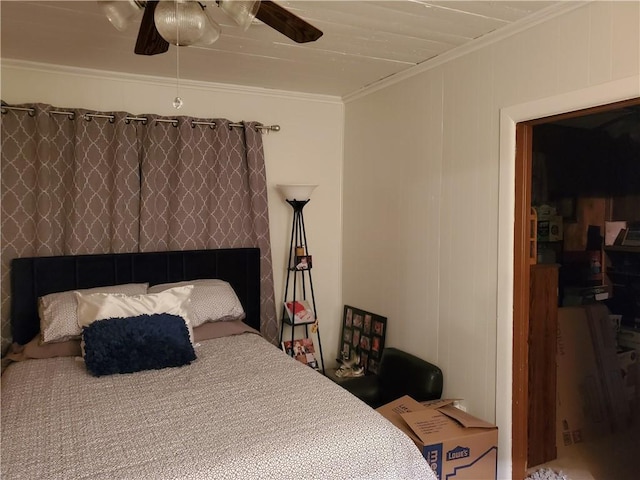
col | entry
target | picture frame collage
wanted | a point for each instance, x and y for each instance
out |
(364, 333)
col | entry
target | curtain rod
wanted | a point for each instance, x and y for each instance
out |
(173, 121)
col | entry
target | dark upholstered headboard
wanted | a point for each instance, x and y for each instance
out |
(37, 276)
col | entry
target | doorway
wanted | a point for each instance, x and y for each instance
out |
(524, 253)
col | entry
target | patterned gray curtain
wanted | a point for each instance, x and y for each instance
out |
(71, 184)
(205, 187)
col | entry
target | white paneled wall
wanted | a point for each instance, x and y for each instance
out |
(308, 149)
(423, 196)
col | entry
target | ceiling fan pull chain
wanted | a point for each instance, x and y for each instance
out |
(177, 102)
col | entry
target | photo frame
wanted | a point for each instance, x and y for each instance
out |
(302, 350)
(363, 332)
(303, 262)
(303, 312)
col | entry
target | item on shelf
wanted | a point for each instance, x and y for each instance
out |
(594, 238)
(303, 262)
(302, 350)
(612, 230)
(303, 312)
(632, 236)
(574, 296)
(549, 225)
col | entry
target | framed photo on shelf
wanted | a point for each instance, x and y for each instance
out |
(364, 333)
(302, 350)
(303, 262)
(299, 312)
(632, 236)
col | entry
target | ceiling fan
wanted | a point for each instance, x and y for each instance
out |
(189, 22)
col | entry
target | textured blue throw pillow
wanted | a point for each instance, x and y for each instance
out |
(145, 342)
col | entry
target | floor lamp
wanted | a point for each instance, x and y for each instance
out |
(299, 284)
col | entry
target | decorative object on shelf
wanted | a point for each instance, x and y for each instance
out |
(302, 350)
(351, 365)
(613, 231)
(299, 310)
(549, 227)
(632, 236)
(363, 334)
(303, 262)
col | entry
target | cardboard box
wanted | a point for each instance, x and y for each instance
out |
(592, 399)
(456, 445)
(550, 229)
(605, 347)
(581, 414)
(549, 224)
(629, 337)
(630, 369)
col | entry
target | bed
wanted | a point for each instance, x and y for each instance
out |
(242, 409)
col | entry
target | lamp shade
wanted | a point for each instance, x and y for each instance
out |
(121, 13)
(299, 192)
(242, 12)
(185, 23)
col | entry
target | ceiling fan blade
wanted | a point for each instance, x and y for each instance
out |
(149, 41)
(286, 22)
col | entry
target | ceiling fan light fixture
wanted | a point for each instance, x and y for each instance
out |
(242, 12)
(185, 22)
(121, 13)
(212, 31)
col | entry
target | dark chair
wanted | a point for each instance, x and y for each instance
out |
(399, 374)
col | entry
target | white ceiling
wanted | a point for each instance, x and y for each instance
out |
(363, 42)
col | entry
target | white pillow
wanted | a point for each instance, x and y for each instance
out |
(212, 300)
(99, 306)
(58, 311)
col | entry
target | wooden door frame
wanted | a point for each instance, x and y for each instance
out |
(522, 252)
(520, 391)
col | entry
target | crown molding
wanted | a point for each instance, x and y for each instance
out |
(526, 23)
(165, 81)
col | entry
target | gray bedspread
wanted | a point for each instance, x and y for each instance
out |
(243, 410)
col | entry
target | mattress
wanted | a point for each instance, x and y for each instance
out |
(242, 410)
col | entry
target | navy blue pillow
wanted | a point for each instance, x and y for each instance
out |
(145, 342)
